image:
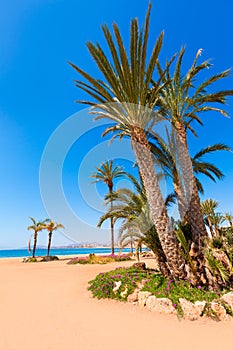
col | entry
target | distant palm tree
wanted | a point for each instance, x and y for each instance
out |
(228, 217)
(107, 173)
(123, 98)
(36, 227)
(51, 227)
(208, 209)
(181, 102)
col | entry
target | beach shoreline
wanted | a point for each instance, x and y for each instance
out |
(47, 306)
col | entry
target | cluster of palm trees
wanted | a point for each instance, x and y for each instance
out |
(137, 94)
(38, 226)
(216, 221)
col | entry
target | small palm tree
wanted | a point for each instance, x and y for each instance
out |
(107, 173)
(36, 227)
(229, 218)
(208, 209)
(51, 227)
(137, 224)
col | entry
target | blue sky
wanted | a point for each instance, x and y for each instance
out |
(37, 94)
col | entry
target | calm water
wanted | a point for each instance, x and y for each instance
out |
(19, 253)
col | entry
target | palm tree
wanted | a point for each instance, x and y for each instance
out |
(137, 225)
(181, 102)
(123, 98)
(228, 217)
(36, 227)
(166, 156)
(51, 227)
(208, 209)
(107, 173)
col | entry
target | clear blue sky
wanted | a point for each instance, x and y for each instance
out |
(37, 38)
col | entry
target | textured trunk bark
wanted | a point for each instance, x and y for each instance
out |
(162, 265)
(49, 243)
(34, 245)
(194, 212)
(182, 204)
(141, 148)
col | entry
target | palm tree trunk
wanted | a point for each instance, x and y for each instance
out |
(112, 220)
(194, 212)
(141, 148)
(131, 245)
(49, 243)
(211, 228)
(180, 195)
(34, 245)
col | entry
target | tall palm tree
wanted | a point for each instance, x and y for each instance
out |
(36, 227)
(123, 98)
(107, 173)
(181, 102)
(51, 227)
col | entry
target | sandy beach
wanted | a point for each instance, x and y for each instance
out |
(47, 306)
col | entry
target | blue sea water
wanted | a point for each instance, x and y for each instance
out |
(20, 253)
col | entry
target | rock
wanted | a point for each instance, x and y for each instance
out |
(219, 310)
(124, 292)
(228, 299)
(162, 305)
(132, 298)
(116, 286)
(200, 305)
(190, 310)
(142, 297)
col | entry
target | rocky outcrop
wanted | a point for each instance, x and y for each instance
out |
(228, 299)
(142, 298)
(132, 298)
(200, 305)
(190, 311)
(117, 285)
(161, 305)
(219, 310)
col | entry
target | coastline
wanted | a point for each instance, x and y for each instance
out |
(71, 252)
(48, 305)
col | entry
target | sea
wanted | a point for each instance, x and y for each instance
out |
(20, 253)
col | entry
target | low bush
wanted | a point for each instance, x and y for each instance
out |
(121, 282)
(50, 258)
(99, 259)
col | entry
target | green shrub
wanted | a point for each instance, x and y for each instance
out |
(106, 285)
(99, 259)
(31, 259)
(103, 285)
(50, 258)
